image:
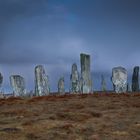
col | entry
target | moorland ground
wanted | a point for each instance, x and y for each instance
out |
(99, 116)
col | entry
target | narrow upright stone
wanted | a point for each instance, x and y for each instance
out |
(41, 81)
(1, 79)
(61, 86)
(74, 79)
(119, 79)
(135, 79)
(129, 87)
(103, 83)
(85, 81)
(18, 85)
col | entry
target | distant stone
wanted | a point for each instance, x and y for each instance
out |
(129, 87)
(2, 96)
(103, 83)
(42, 86)
(74, 79)
(18, 85)
(61, 86)
(85, 81)
(135, 79)
(119, 79)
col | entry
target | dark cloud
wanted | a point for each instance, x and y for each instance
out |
(13, 8)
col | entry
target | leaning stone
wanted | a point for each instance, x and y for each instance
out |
(61, 86)
(41, 81)
(18, 84)
(85, 81)
(119, 79)
(135, 79)
(74, 79)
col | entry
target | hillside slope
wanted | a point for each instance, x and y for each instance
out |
(71, 117)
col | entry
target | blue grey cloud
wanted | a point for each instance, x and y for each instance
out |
(54, 33)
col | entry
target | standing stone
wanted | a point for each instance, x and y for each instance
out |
(1, 79)
(41, 82)
(135, 79)
(129, 87)
(103, 83)
(119, 79)
(74, 79)
(85, 81)
(18, 85)
(61, 86)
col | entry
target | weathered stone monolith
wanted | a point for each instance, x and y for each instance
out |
(135, 79)
(61, 86)
(103, 83)
(42, 86)
(85, 81)
(74, 80)
(18, 85)
(119, 79)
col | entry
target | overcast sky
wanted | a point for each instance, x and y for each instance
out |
(55, 32)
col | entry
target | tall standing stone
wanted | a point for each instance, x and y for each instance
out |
(103, 83)
(41, 81)
(119, 79)
(1, 79)
(85, 81)
(18, 85)
(135, 79)
(61, 86)
(74, 79)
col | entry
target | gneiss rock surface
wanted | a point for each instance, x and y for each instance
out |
(119, 79)
(61, 86)
(74, 80)
(85, 81)
(18, 85)
(135, 79)
(42, 86)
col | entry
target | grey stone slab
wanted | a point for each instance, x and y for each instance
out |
(18, 85)
(119, 79)
(42, 86)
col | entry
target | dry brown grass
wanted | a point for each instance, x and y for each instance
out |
(99, 116)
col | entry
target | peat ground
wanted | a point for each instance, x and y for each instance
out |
(98, 116)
